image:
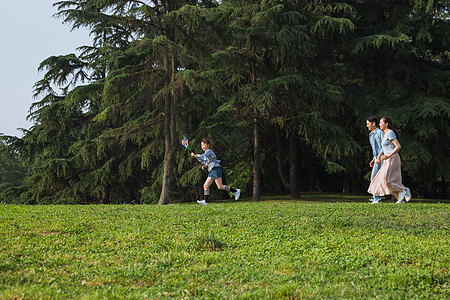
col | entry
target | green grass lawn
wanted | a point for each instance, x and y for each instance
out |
(315, 248)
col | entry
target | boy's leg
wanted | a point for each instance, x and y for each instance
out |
(375, 169)
(206, 192)
(221, 186)
(206, 186)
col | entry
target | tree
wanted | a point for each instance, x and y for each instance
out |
(12, 174)
(151, 66)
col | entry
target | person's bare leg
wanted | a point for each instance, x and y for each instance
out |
(207, 183)
(206, 186)
(221, 186)
(219, 183)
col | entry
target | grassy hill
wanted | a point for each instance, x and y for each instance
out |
(320, 247)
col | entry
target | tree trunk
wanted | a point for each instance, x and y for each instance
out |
(293, 163)
(279, 159)
(170, 113)
(309, 165)
(167, 177)
(256, 159)
(446, 189)
(168, 156)
(105, 196)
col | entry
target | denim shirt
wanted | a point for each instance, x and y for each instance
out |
(387, 145)
(375, 139)
(208, 158)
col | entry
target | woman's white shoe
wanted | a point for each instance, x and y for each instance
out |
(408, 194)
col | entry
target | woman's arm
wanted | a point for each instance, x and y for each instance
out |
(396, 149)
(378, 161)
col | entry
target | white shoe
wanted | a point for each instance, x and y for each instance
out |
(375, 202)
(408, 194)
(237, 194)
(202, 202)
(400, 202)
(402, 195)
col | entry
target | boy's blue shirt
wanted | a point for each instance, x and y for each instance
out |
(375, 139)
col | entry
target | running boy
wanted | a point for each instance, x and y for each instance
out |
(375, 139)
(209, 160)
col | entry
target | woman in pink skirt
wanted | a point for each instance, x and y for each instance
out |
(388, 180)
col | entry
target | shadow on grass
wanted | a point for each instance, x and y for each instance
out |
(315, 197)
(208, 242)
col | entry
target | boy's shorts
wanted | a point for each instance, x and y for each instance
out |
(215, 173)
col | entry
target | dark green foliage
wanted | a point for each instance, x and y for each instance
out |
(12, 174)
(282, 88)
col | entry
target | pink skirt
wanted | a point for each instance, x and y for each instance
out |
(388, 180)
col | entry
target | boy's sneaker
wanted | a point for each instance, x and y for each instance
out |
(237, 194)
(401, 196)
(408, 194)
(202, 202)
(375, 202)
(400, 202)
(377, 198)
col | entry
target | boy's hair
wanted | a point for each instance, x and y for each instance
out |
(207, 141)
(372, 119)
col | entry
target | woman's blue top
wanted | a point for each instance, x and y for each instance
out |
(387, 144)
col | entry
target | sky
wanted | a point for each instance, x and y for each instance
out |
(29, 35)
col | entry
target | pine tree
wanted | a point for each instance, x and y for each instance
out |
(144, 84)
(12, 174)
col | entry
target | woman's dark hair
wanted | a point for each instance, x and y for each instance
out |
(391, 125)
(372, 119)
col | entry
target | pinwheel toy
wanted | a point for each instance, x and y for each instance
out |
(185, 142)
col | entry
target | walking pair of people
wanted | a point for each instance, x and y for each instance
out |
(386, 176)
